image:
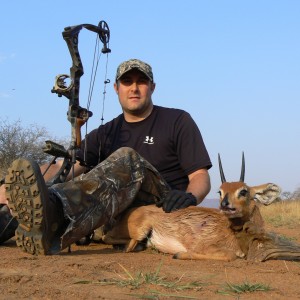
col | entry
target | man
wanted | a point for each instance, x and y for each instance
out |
(148, 154)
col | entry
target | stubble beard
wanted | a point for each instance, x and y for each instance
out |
(140, 111)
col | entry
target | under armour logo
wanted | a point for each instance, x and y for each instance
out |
(149, 140)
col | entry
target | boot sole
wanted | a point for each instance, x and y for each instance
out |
(24, 185)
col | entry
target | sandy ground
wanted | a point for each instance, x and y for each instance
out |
(98, 271)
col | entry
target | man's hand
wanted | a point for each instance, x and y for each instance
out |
(176, 199)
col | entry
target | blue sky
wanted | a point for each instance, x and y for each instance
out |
(233, 65)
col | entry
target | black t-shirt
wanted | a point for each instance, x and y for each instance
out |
(169, 139)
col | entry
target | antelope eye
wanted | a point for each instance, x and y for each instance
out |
(243, 193)
(219, 192)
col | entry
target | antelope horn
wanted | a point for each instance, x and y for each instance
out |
(221, 169)
(243, 169)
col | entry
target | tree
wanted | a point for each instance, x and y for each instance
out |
(17, 141)
(296, 194)
(291, 195)
(286, 195)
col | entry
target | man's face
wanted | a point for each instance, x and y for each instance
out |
(134, 90)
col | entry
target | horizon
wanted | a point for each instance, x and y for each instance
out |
(234, 66)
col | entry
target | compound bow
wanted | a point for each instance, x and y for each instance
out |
(77, 115)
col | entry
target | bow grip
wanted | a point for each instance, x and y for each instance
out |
(82, 116)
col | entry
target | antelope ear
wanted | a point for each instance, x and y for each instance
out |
(266, 193)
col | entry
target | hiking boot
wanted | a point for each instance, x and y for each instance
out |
(8, 224)
(39, 213)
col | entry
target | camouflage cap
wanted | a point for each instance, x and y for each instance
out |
(130, 64)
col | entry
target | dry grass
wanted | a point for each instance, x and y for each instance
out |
(246, 287)
(283, 213)
(149, 280)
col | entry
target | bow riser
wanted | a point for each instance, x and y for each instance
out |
(77, 115)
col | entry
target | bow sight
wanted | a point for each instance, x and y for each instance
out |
(77, 115)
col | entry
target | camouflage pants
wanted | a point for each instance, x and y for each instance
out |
(124, 179)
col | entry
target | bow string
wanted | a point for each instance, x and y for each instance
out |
(77, 115)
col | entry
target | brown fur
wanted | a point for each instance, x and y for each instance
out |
(199, 232)
(186, 233)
